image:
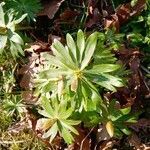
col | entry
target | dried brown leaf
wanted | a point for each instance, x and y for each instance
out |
(50, 8)
(135, 141)
(94, 19)
(82, 141)
(124, 12)
(27, 72)
(112, 22)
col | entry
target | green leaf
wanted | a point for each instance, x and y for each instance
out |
(66, 135)
(2, 19)
(125, 111)
(80, 44)
(13, 49)
(89, 50)
(47, 107)
(53, 61)
(65, 113)
(53, 73)
(65, 124)
(84, 79)
(108, 81)
(125, 130)
(63, 55)
(72, 47)
(103, 81)
(19, 49)
(132, 119)
(20, 7)
(14, 37)
(3, 41)
(20, 19)
(103, 68)
(52, 132)
(44, 113)
(103, 55)
(73, 122)
(126, 118)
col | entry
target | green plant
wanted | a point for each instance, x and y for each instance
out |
(71, 67)
(117, 119)
(20, 7)
(7, 79)
(9, 38)
(135, 33)
(25, 139)
(57, 112)
(5, 120)
(13, 105)
(73, 75)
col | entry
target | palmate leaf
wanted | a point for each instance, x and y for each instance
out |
(90, 95)
(59, 114)
(72, 65)
(51, 60)
(14, 104)
(66, 135)
(47, 107)
(72, 62)
(100, 69)
(61, 52)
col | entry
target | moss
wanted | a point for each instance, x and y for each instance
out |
(5, 120)
(21, 141)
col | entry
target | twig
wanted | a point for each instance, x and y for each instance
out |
(85, 138)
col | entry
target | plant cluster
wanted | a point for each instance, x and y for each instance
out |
(91, 80)
(69, 85)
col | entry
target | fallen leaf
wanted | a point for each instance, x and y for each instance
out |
(135, 141)
(38, 46)
(112, 22)
(27, 71)
(50, 8)
(123, 13)
(82, 141)
(68, 17)
(94, 19)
